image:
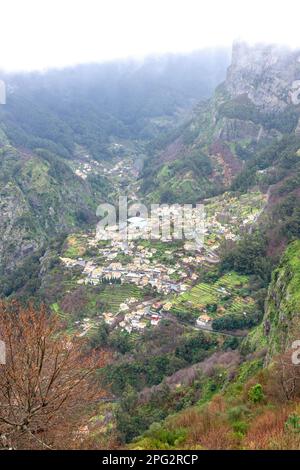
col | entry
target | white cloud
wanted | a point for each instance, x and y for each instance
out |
(47, 33)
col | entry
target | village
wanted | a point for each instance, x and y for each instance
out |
(166, 267)
(121, 170)
(160, 252)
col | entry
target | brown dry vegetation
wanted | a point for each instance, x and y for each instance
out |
(231, 420)
(47, 388)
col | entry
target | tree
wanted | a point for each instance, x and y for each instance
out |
(120, 340)
(128, 423)
(47, 390)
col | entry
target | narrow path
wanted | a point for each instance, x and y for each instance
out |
(210, 330)
(207, 329)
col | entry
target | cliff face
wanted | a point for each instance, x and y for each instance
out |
(268, 75)
(282, 316)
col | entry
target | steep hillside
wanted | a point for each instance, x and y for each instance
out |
(93, 104)
(281, 322)
(41, 198)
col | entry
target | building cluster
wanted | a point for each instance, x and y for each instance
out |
(130, 261)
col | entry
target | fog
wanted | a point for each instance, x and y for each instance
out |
(37, 34)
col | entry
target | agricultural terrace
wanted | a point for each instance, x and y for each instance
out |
(228, 295)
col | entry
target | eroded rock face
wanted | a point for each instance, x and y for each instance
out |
(268, 75)
(235, 129)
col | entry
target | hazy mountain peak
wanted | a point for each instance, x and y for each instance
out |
(268, 74)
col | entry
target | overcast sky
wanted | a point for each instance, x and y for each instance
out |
(36, 34)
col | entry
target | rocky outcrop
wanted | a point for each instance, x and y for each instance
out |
(237, 129)
(268, 75)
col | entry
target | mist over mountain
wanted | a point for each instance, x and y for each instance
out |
(91, 104)
(192, 344)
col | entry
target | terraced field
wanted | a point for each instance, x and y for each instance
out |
(225, 293)
(232, 280)
(200, 295)
(240, 305)
(113, 296)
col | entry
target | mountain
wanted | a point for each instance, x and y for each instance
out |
(41, 197)
(281, 319)
(257, 103)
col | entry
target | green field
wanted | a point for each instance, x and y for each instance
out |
(225, 293)
(114, 295)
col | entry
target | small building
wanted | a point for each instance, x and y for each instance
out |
(204, 321)
(123, 307)
(155, 319)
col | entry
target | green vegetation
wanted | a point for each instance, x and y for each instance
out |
(171, 384)
(227, 301)
(283, 301)
(242, 108)
(143, 367)
(256, 394)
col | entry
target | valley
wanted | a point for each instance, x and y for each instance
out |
(188, 334)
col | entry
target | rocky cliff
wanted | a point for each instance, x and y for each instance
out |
(258, 102)
(268, 75)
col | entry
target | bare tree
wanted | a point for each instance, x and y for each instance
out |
(283, 384)
(289, 376)
(47, 389)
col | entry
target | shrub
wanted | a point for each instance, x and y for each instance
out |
(293, 423)
(256, 394)
(170, 437)
(237, 412)
(240, 427)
